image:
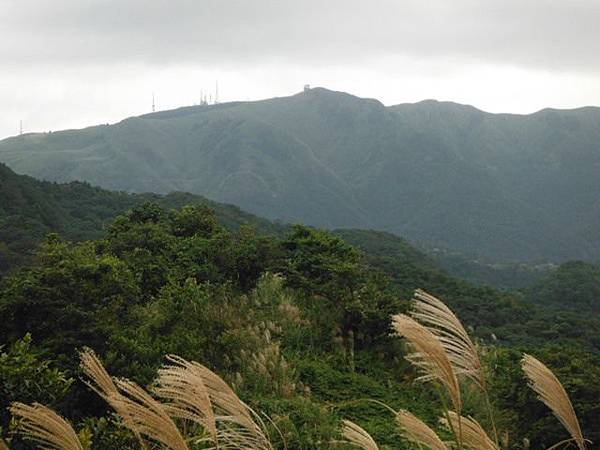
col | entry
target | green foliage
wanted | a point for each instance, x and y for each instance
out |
(30, 209)
(298, 325)
(26, 376)
(574, 286)
(72, 297)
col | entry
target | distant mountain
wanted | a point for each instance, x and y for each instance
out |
(499, 186)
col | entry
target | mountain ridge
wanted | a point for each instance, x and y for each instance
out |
(502, 186)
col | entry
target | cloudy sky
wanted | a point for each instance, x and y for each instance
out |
(72, 63)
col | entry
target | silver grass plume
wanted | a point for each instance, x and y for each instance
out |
(357, 436)
(40, 424)
(551, 392)
(415, 430)
(474, 436)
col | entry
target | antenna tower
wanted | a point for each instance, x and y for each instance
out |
(216, 92)
(20, 127)
(153, 104)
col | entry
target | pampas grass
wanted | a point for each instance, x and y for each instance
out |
(103, 384)
(191, 392)
(357, 436)
(551, 392)
(474, 436)
(415, 430)
(182, 386)
(442, 322)
(428, 354)
(432, 313)
(148, 416)
(43, 426)
(238, 425)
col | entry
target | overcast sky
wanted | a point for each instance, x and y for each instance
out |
(72, 63)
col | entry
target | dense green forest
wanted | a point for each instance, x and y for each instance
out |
(448, 176)
(296, 320)
(30, 209)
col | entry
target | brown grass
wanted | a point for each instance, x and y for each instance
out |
(474, 436)
(238, 426)
(428, 354)
(182, 385)
(441, 321)
(415, 430)
(103, 384)
(357, 436)
(148, 416)
(550, 391)
(3, 445)
(43, 426)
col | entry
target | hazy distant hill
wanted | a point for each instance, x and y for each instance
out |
(505, 187)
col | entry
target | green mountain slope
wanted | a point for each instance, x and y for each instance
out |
(498, 186)
(30, 209)
(573, 286)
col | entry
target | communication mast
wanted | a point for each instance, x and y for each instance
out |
(20, 127)
(216, 92)
(153, 104)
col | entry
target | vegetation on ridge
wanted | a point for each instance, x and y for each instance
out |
(307, 346)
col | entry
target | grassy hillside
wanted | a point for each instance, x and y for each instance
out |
(500, 187)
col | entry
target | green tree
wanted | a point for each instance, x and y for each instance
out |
(25, 376)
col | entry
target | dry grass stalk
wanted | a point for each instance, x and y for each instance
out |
(441, 321)
(183, 386)
(42, 425)
(99, 379)
(102, 383)
(148, 416)
(428, 354)
(238, 425)
(415, 430)
(550, 391)
(474, 436)
(357, 436)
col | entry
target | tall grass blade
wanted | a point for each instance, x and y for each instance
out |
(182, 385)
(550, 391)
(238, 425)
(42, 425)
(415, 430)
(428, 354)
(474, 436)
(441, 321)
(148, 416)
(357, 436)
(99, 380)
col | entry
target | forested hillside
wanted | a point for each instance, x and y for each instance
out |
(30, 209)
(299, 325)
(501, 187)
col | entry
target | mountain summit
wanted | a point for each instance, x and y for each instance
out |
(501, 186)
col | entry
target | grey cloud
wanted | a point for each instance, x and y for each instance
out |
(541, 34)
